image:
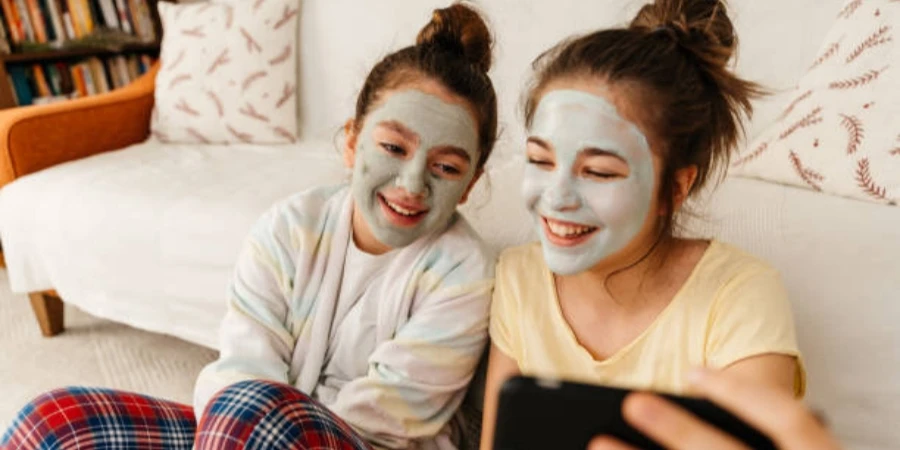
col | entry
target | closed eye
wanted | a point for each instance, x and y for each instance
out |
(540, 154)
(602, 175)
(542, 163)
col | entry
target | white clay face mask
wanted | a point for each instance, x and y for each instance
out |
(583, 219)
(381, 180)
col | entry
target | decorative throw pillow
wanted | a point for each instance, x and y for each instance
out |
(228, 73)
(841, 133)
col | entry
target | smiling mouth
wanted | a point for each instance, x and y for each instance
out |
(401, 215)
(566, 234)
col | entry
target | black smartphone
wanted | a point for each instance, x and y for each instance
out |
(541, 414)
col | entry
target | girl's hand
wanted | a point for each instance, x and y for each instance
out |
(784, 419)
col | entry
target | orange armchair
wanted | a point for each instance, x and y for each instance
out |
(33, 138)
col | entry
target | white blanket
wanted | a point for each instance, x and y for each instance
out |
(148, 235)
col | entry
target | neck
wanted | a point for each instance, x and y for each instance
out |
(622, 279)
(363, 237)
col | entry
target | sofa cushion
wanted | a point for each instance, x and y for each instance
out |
(228, 73)
(841, 132)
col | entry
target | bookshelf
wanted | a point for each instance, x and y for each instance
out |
(53, 50)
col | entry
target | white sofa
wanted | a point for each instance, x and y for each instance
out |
(148, 235)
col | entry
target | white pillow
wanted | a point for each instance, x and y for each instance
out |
(841, 133)
(228, 73)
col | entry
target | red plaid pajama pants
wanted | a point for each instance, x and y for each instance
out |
(247, 415)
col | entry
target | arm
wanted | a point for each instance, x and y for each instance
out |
(500, 368)
(752, 332)
(33, 138)
(254, 340)
(417, 380)
(774, 412)
(774, 370)
(502, 363)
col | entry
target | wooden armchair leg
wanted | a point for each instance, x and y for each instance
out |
(48, 309)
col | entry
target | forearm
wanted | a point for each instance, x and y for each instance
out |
(248, 351)
(500, 368)
(773, 370)
(417, 380)
(254, 339)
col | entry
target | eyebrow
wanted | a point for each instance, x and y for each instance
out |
(540, 143)
(399, 128)
(455, 151)
(586, 152)
(593, 151)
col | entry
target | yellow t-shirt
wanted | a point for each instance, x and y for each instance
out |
(731, 307)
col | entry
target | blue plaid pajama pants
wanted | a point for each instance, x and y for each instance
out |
(246, 415)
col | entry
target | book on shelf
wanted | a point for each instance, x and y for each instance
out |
(37, 24)
(55, 16)
(5, 36)
(36, 83)
(21, 10)
(20, 78)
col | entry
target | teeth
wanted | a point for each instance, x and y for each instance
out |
(400, 210)
(568, 230)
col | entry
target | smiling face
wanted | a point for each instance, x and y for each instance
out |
(414, 160)
(590, 179)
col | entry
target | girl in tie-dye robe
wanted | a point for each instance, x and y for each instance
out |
(358, 313)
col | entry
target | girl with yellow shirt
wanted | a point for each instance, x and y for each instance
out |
(624, 125)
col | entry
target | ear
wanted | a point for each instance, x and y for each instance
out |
(684, 181)
(350, 139)
(465, 196)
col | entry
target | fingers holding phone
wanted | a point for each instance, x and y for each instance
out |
(784, 419)
(668, 425)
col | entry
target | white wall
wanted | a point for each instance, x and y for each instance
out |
(340, 40)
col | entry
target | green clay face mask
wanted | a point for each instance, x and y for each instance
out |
(398, 186)
(583, 219)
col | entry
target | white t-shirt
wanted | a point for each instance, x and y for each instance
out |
(353, 330)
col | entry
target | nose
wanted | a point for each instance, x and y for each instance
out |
(562, 196)
(413, 179)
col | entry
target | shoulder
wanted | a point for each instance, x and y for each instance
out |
(305, 209)
(742, 283)
(527, 259)
(750, 313)
(523, 292)
(522, 272)
(728, 266)
(460, 247)
(297, 221)
(308, 204)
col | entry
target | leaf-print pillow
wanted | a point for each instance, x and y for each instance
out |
(841, 132)
(228, 73)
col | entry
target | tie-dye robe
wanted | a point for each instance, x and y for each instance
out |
(431, 326)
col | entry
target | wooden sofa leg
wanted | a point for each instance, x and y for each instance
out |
(48, 310)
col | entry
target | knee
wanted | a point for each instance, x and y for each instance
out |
(53, 403)
(263, 414)
(244, 409)
(44, 419)
(253, 398)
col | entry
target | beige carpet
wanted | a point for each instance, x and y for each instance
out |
(91, 352)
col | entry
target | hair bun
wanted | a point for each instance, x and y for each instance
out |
(461, 30)
(701, 26)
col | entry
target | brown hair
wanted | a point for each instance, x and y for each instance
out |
(453, 49)
(675, 52)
